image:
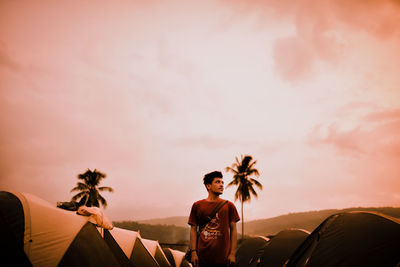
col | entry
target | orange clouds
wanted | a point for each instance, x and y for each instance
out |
(327, 31)
(376, 135)
(156, 94)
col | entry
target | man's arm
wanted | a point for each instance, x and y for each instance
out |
(233, 235)
(193, 245)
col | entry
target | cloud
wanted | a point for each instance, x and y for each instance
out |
(376, 17)
(209, 142)
(391, 114)
(377, 134)
(294, 59)
(326, 32)
(7, 61)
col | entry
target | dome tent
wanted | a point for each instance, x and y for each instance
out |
(49, 236)
(281, 247)
(248, 249)
(351, 239)
(132, 246)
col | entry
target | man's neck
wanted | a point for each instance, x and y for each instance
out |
(212, 197)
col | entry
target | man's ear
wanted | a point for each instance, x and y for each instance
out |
(208, 186)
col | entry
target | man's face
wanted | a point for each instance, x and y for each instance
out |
(217, 186)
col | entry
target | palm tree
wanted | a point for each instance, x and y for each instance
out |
(241, 178)
(89, 194)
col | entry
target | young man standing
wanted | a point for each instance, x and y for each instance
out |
(216, 243)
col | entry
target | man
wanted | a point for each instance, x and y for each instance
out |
(216, 244)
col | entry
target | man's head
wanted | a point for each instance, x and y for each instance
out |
(214, 183)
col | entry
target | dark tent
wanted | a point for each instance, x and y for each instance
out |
(281, 247)
(12, 229)
(43, 235)
(248, 249)
(351, 239)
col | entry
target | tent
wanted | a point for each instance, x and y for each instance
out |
(351, 239)
(281, 247)
(248, 249)
(176, 258)
(132, 245)
(34, 232)
(156, 251)
(118, 252)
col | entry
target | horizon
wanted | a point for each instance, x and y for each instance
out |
(310, 211)
(157, 94)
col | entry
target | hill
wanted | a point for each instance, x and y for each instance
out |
(167, 234)
(171, 231)
(304, 220)
(180, 221)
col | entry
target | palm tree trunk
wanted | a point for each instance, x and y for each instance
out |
(242, 222)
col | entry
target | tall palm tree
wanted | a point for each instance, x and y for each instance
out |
(242, 171)
(89, 194)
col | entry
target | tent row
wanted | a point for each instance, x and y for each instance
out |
(133, 250)
(35, 233)
(269, 252)
(344, 239)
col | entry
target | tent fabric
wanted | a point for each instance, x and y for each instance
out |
(351, 239)
(141, 257)
(119, 254)
(125, 239)
(52, 236)
(249, 249)
(88, 249)
(132, 245)
(49, 231)
(156, 251)
(170, 257)
(12, 231)
(281, 247)
(12, 213)
(176, 258)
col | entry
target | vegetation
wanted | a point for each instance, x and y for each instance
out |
(164, 234)
(242, 172)
(175, 220)
(89, 192)
(172, 234)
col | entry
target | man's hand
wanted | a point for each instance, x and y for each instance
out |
(231, 260)
(195, 259)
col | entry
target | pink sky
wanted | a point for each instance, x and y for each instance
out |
(157, 94)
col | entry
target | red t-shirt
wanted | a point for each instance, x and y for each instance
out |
(213, 244)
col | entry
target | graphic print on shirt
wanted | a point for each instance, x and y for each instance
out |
(211, 230)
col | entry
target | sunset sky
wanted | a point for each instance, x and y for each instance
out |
(157, 93)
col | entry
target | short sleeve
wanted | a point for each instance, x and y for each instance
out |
(233, 214)
(193, 215)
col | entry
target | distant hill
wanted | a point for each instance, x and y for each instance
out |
(304, 220)
(174, 230)
(176, 220)
(162, 233)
